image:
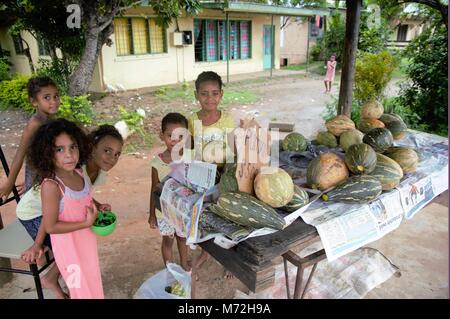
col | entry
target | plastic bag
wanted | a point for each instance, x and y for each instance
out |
(155, 286)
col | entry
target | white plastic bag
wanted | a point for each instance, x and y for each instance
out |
(155, 286)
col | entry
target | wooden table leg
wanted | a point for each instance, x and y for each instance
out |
(286, 276)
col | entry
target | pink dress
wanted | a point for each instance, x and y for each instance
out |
(331, 68)
(76, 252)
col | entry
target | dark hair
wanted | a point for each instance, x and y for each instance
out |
(103, 131)
(36, 83)
(208, 76)
(41, 153)
(173, 118)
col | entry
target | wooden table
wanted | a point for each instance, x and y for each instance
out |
(253, 261)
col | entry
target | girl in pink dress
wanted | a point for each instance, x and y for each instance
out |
(56, 153)
(329, 77)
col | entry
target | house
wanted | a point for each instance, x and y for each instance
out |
(143, 54)
(405, 30)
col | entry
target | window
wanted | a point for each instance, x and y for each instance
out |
(18, 45)
(210, 38)
(316, 26)
(402, 31)
(136, 36)
(42, 46)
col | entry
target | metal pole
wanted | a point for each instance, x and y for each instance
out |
(272, 45)
(307, 47)
(228, 49)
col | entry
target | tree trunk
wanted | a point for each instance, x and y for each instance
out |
(349, 58)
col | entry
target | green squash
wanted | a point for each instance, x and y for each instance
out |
(360, 158)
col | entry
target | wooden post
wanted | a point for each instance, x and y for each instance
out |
(349, 58)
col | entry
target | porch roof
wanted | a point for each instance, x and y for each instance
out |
(258, 8)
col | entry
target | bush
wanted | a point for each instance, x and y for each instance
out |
(4, 70)
(58, 71)
(332, 107)
(373, 73)
(13, 93)
(77, 109)
(426, 91)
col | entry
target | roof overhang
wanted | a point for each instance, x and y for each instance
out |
(248, 7)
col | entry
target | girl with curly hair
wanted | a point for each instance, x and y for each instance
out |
(57, 151)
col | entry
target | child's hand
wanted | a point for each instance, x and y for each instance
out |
(153, 222)
(5, 190)
(91, 215)
(32, 254)
(104, 207)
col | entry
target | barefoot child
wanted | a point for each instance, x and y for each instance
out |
(106, 147)
(171, 124)
(210, 123)
(57, 150)
(331, 69)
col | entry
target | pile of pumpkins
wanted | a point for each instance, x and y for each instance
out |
(371, 163)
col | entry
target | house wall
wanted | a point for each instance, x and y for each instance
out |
(20, 64)
(295, 41)
(178, 64)
(415, 28)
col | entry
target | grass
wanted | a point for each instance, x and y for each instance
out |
(399, 71)
(185, 93)
(316, 67)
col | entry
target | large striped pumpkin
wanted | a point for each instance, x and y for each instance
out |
(379, 138)
(339, 125)
(387, 171)
(407, 158)
(372, 110)
(356, 189)
(350, 137)
(274, 186)
(294, 142)
(360, 158)
(365, 125)
(327, 139)
(300, 199)
(325, 171)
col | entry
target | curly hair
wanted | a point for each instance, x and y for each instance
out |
(102, 131)
(41, 153)
(208, 76)
(36, 83)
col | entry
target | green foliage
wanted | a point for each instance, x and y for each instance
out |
(334, 37)
(168, 10)
(77, 109)
(332, 108)
(134, 120)
(4, 69)
(13, 93)
(426, 93)
(373, 73)
(58, 70)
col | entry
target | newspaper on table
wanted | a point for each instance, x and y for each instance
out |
(346, 227)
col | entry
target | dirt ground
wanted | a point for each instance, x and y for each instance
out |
(132, 253)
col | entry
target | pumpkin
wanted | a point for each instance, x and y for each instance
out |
(294, 142)
(300, 199)
(349, 138)
(379, 138)
(356, 189)
(387, 171)
(274, 186)
(360, 158)
(407, 158)
(365, 125)
(372, 110)
(327, 139)
(325, 171)
(244, 209)
(339, 125)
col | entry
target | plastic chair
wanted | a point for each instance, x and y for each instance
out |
(14, 239)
